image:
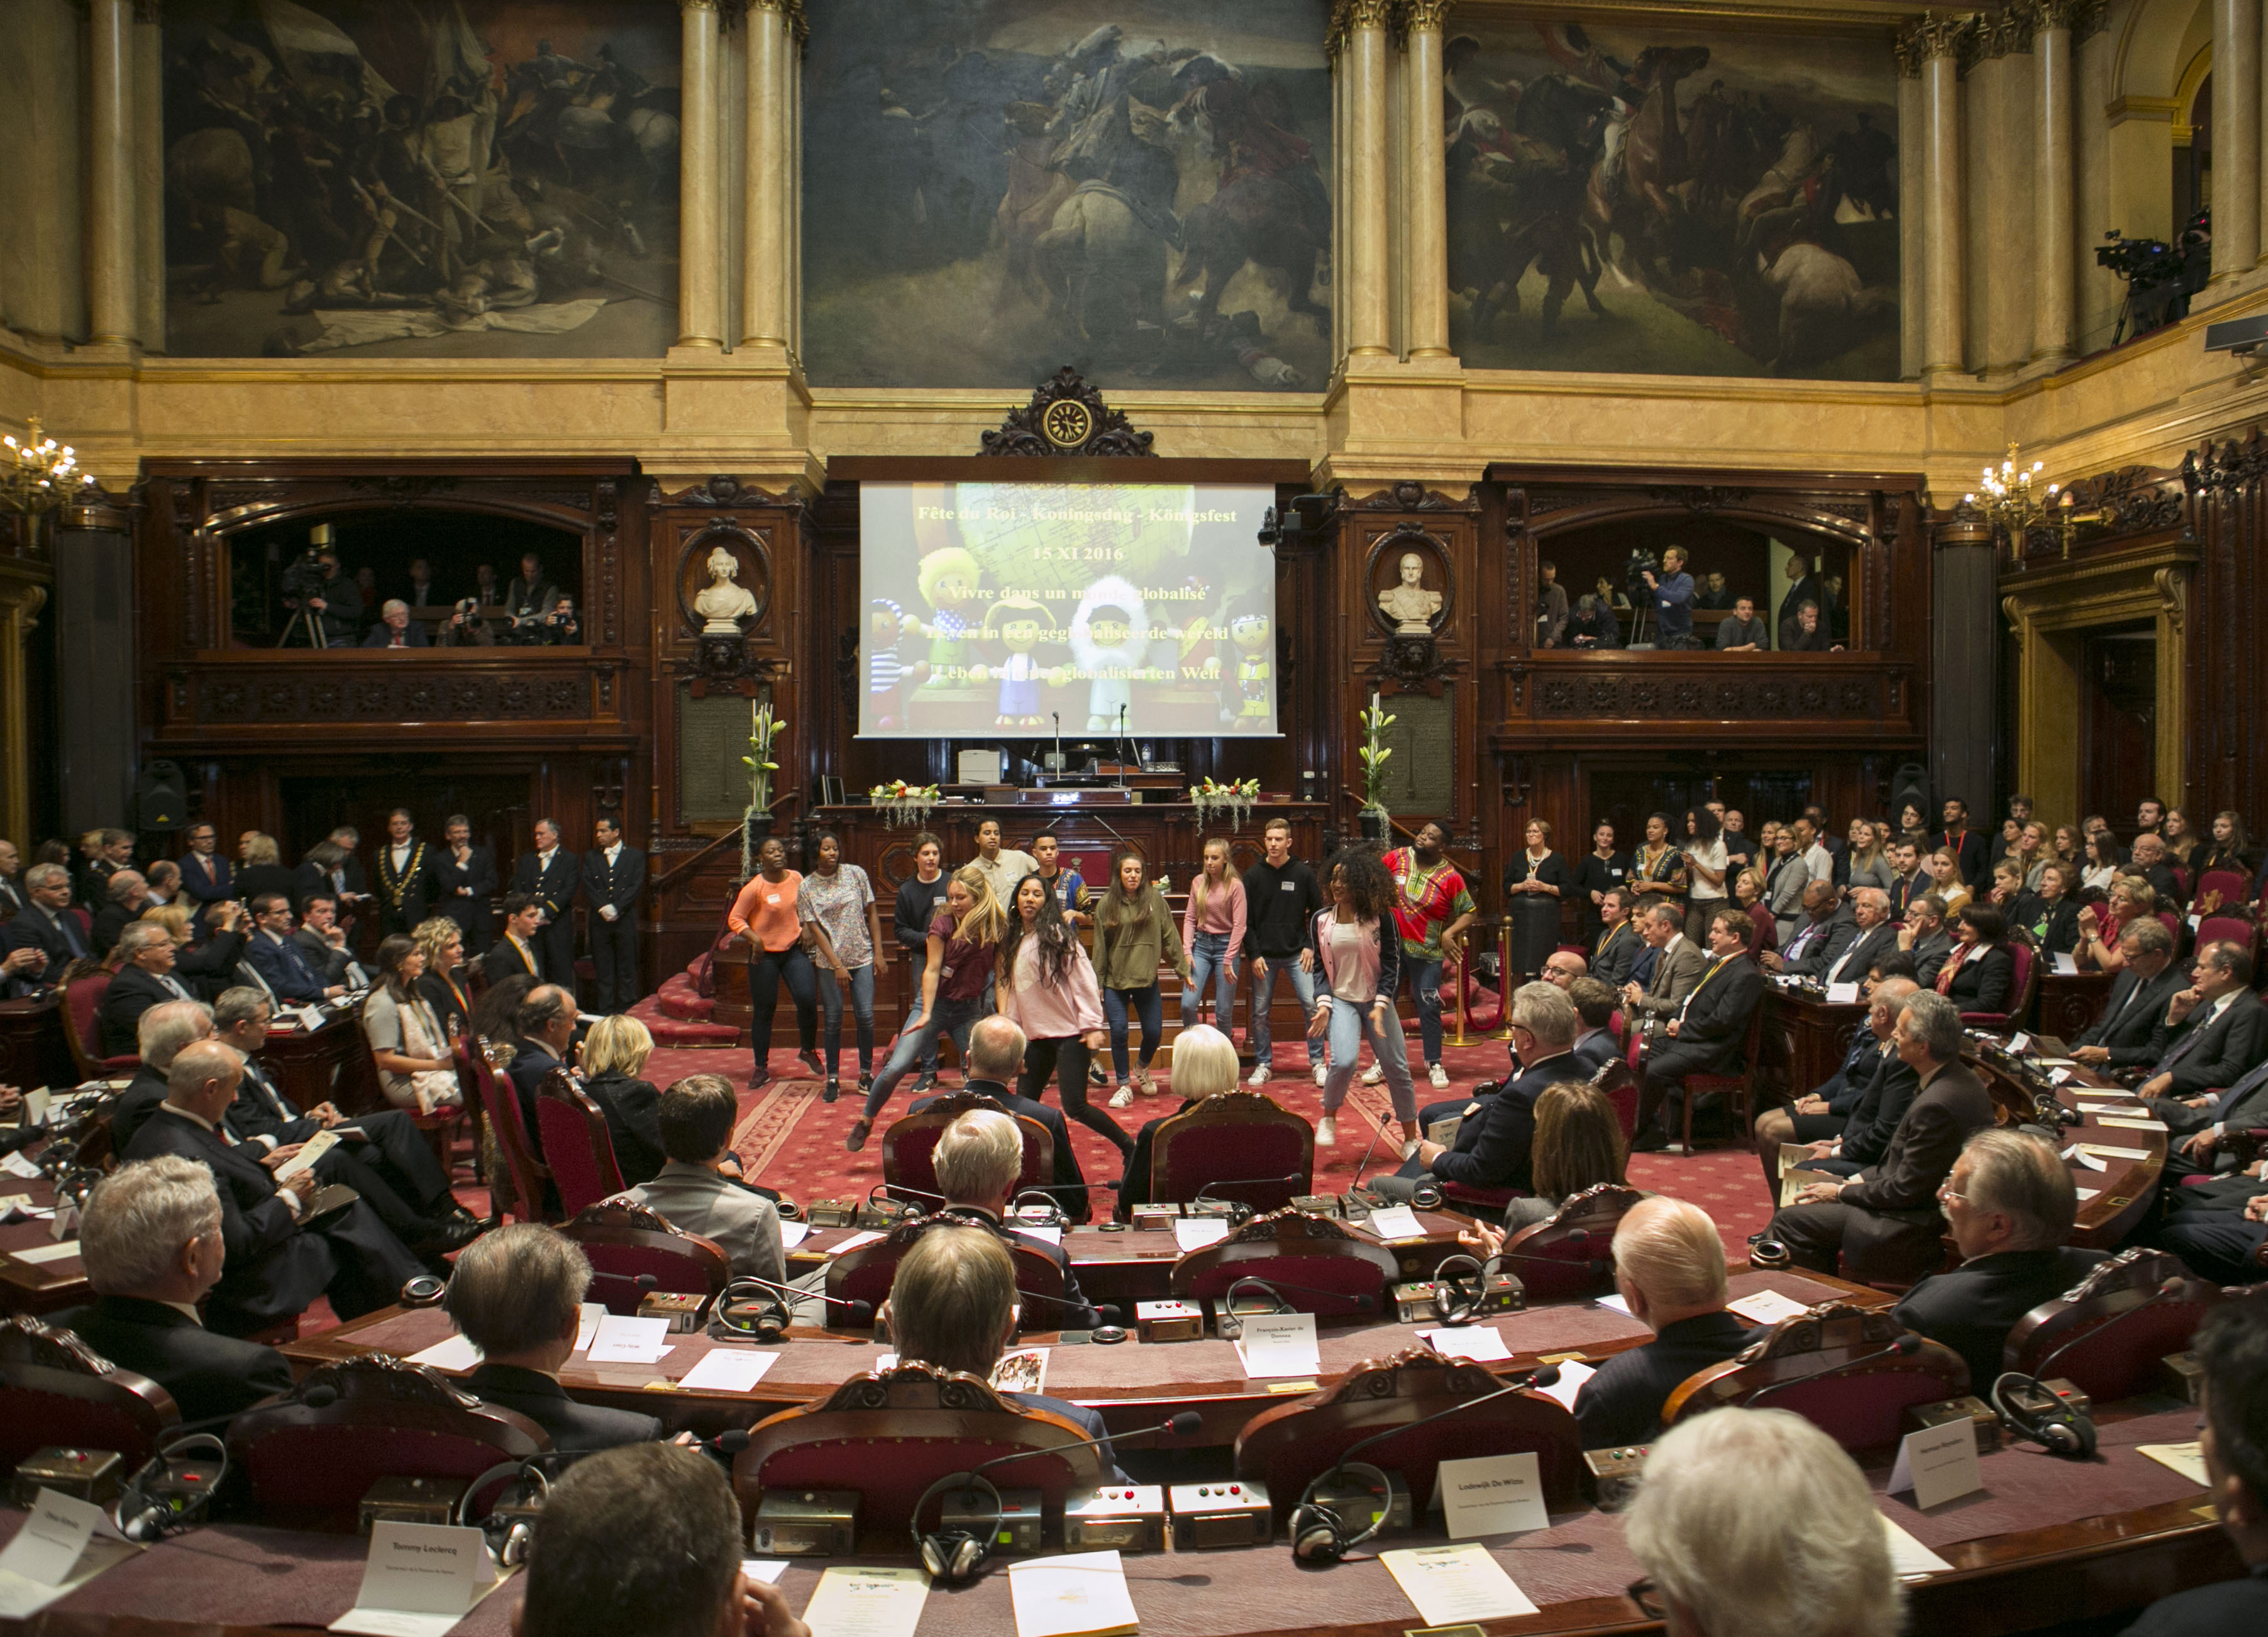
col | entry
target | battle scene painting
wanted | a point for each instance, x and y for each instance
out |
(1137, 187)
(1628, 197)
(421, 178)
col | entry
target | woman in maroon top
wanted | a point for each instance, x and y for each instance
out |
(962, 945)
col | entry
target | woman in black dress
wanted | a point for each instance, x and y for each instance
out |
(1534, 883)
(1980, 974)
(1604, 870)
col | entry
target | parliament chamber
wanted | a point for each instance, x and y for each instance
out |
(1493, 760)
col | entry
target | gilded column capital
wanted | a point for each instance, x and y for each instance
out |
(791, 10)
(2008, 30)
(1426, 13)
(696, 6)
(1928, 38)
(1369, 14)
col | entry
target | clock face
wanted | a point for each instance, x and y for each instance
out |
(1067, 424)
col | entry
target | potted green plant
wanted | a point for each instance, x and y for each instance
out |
(1373, 818)
(756, 822)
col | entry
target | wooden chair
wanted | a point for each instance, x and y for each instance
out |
(909, 1144)
(1571, 1254)
(890, 1435)
(1733, 1086)
(577, 1145)
(2121, 1360)
(83, 998)
(866, 1273)
(1287, 1248)
(528, 1178)
(1289, 1447)
(2023, 987)
(1618, 1083)
(57, 1389)
(311, 1456)
(1240, 1145)
(1859, 1407)
(627, 1242)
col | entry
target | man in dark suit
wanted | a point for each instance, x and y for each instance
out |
(1884, 1222)
(2216, 1228)
(465, 882)
(2120, 1037)
(125, 895)
(396, 629)
(995, 1053)
(1709, 1035)
(276, 1265)
(1823, 1117)
(46, 938)
(519, 953)
(1669, 1266)
(331, 867)
(2149, 862)
(1828, 931)
(11, 890)
(517, 1295)
(1911, 882)
(113, 851)
(614, 878)
(206, 878)
(1678, 963)
(145, 979)
(977, 1158)
(405, 875)
(1971, 848)
(545, 1025)
(2212, 1036)
(324, 942)
(1617, 948)
(1595, 1045)
(281, 964)
(1925, 937)
(549, 876)
(1876, 935)
(162, 1030)
(151, 1239)
(1496, 1134)
(2010, 1204)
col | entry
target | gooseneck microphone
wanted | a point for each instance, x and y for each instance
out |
(1904, 1347)
(2060, 1428)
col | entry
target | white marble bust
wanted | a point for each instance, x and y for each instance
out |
(726, 602)
(1408, 603)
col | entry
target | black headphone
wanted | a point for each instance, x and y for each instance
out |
(2058, 1427)
(143, 1517)
(508, 1539)
(1456, 1301)
(763, 1314)
(955, 1555)
(1319, 1534)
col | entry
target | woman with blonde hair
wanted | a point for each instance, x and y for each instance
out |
(1204, 1066)
(1212, 932)
(1870, 859)
(961, 941)
(415, 1069)
(1578, 1145)
(614, 1057)
(1943, 868)
(442, 943)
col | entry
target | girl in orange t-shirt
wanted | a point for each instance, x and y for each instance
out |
(764, 914)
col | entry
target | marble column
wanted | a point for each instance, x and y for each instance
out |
(2053, 183)
(2235, 137)
(699, 310)
(1913, 188)
(1944, 341)
(1426, 261)
(110, 238)
(764, 280)
(148, 57)
(1369, 309)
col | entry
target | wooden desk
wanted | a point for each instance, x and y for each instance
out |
(2070, 1002)
(331, 1063)
(2123, 1193)
(1805, 1039)
(32, 1049)
(36, 1287)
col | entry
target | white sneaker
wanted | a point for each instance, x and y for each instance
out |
(1374, 1073)
(1261, 1075)
(1327, 1133)
(1322, 1073)
(1123, 1098)
(1438, 1075)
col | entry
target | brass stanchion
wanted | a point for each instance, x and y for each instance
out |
(1464, 1000)
(1504, 976)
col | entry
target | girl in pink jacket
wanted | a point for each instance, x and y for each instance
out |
(1046, 985)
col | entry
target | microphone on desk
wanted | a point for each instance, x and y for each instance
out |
(1106, 1314)
(1232, 1326)
(1242, 1211)
(1904, 1347)
(2058, 1427)
(769, 1319)
(639, 1284)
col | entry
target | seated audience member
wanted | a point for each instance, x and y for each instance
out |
(699, 1187)
(1741, 631)
(2129, 899)
(2050, 912)
(44, 937)
(952, 1306)
(2009, 1203)
(1496, 1132)
(1561, 968)
(1749, 893)
(1885, 1221)
(1827, 929)
(1925, 937)
(517, 1294)
(1678, 963)
(996, 1056)
(1715, 593)
(324, 942)
(515, 955)
(442, 983)
(145, 979)
(1907, 880)
(614, 1057)
(1877, 936)
(151, 1241)
(1618, 944)
(1754, 1523)
(2149, 860)
(278, 1261)
(1980, 974)
(2147, 980)
(1806, 634)
(396, 629)
(125, 895)
(2232, 1347)
(282, 965)
(645, 1541)
(261, 869)
(162, 884)
(495, 1017)
(1820, 1117)
(1199, 1071)
(2211, 1036)
(977, 1158)
(1669, 1266)
(1593, 625)
(159, 1035)
(1709, 1035)
(1595, 1045)
(415, 1069)
(208, 968)
(543, 1033)
(1579, 1145)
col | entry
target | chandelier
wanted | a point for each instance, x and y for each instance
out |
(39, 474)
(2015, 506)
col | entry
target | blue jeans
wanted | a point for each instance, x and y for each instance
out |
(1425, 978)
(917, 963)
(1350, 1026)
(1144, 1003)
(1304, 985)
(1210, 961)
(952, 1017)
(862, 1008)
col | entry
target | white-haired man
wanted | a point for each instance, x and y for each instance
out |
(1669, 1266)
(978, 1159)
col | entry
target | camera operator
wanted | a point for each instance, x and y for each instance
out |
(313, 585)
(465, 628)
(1672, 591)
(556, 626)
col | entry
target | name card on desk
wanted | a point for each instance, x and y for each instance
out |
(1451, 1584)
(586, 1328)
(1195, 1232)
(2021, 1043)
(1081, 1594)
(2130, 1124)
(1766, 1307)
(1495, 1494)
(867, 1602)
(1842, 994)
(64, 1543)
(419, 1580)
(17, 1165)
(728, 1370)
(622, 1338)
(2065, 967)
(1279, 1345)
(1938, 1463)
(1396, 1223)
(2103, 1150)
(793, 1234)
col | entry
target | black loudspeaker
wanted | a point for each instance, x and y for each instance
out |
(1911, 784)
(161, 797)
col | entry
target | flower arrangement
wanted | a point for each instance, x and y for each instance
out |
(763, 736)
(903, 803)
(1234, 799)
(1375, 752)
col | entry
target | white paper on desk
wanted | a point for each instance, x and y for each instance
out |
(1909, 1557)
(728, 1370)
(1842, 994)
(1195, 1232)
(2065, 967)
(456, 1353)
(1037, 1230)
(2085, 1159)
(1573, 1374)
(1766, 1307)
(1938, 1463)
(586, 1328)
(2021, 1043)
(37, 1101)
(2107, 1152)
(1476, 1342)
(419, 1579)
(69, 1539)
(793, 1234)
(867, 1602)
(47, 1253)
(1082, 1594)
(1452, 1585)
(1397, 1221)
(1616, 1304)
(623, 1338)
(766, 1569)
(1492, 1495)
(315, 1148)
(2085, 1194)
(1279, 1345)
(2187, 1459)
(856, 1242)
(17, 1165)
(2130, 1124)
(2059, 1077)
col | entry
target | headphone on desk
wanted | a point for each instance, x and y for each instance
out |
(1319, 1534)
(508, 1539)
(1454, 1300)
(143, 1517)
(2058, 1428)
(953, 1555)
(765, 1318)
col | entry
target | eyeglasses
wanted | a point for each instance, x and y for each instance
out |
(1643, 1592)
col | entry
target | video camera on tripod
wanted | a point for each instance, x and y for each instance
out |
(303, 578)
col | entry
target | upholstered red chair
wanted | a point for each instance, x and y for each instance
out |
(311, 1456)
(890, 1435)
(1617, 1082)
(627, 1242)
(1859, 1407)
(83, 998)
(908, 1144)
(526, 1180)
(1732, 1087)
(864, 1274)
(2113, 1360)
(55, 1390)
(1241, 1146)
(576, 1145)
(1289, 1249)
(1571, 1254)
(2228, 929)
(1289, 1447)
(2221, 889)
(2022, 985)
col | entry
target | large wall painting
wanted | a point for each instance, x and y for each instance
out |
(421, 178)
(1629, 197)
(1137, 187)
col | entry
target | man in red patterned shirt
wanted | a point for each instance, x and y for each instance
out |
(1432, 906)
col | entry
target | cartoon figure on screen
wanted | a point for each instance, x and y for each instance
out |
(886, 671)
(1110, 633)
(1252, 634)
(1017, 623)
(948, 579)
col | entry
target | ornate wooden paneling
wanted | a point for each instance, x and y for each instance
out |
(294, 687)
(1624, 695)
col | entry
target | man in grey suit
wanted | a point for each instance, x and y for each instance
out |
(700, 1189)
(1678, 963)
(1925, 937)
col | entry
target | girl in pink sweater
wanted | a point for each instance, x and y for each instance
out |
(1213, 929)
(1046, 986)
